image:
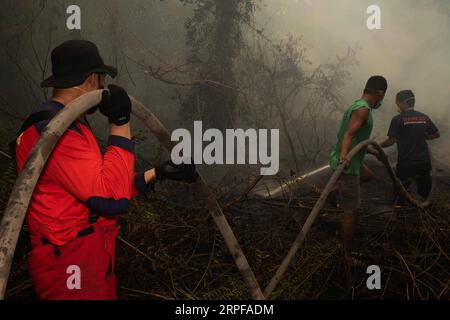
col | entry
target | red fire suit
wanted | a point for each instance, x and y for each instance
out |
(73, 210)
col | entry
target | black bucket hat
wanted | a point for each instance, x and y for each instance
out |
(73, 61)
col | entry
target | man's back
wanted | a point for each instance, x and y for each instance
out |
(76, 180)
(410, 130)
(363, 133)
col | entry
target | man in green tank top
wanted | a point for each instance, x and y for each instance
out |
(356, 126)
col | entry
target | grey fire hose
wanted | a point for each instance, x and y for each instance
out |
(16, 208)
(321, 202)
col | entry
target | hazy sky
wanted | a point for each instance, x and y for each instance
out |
(412, 50)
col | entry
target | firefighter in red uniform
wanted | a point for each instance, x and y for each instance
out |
(73, 211)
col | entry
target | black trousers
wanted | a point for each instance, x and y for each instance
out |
(420, 172)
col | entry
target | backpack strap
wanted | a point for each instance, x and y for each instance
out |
(44, 115)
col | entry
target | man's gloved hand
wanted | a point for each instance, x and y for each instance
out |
(171, 171)
(116, 105)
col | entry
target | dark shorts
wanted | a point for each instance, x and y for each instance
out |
(420, 172)
(350, 193)
(405, 171)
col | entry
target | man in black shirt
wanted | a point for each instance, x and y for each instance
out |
(410, 129)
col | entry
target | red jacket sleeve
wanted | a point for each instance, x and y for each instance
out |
(103, 183)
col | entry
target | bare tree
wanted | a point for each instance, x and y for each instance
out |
(282, 91)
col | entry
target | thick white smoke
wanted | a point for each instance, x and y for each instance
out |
(412, 50)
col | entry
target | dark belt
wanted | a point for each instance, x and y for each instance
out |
(80, 234)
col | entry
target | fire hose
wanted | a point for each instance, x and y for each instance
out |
(22, 191)
(15, 211)
(321, 202)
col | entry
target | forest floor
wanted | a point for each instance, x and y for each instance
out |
(169, 247)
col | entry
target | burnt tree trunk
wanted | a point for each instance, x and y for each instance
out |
(216, 38)
(222, 98)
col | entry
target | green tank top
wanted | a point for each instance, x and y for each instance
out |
(355, 165)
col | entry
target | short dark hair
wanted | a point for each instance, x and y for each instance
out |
(376, 84)
(408, 97)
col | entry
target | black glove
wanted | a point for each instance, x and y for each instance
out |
(171, 171)
(116, 105)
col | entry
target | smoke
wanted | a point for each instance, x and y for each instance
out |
(412, 50)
